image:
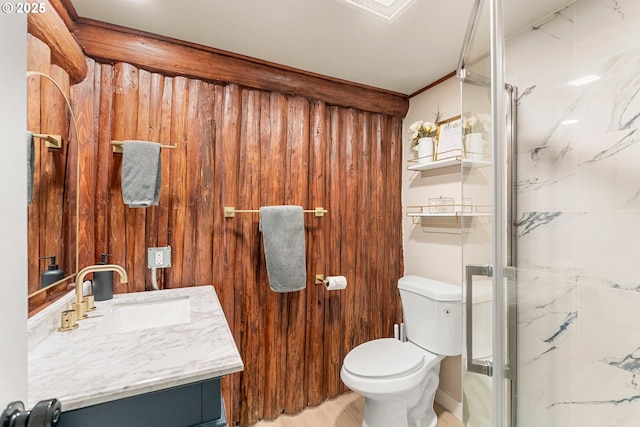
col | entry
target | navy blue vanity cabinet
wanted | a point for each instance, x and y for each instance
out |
(193, 405)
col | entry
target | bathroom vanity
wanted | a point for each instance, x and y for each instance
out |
(143, 359)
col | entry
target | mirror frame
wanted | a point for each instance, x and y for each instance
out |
(59, 287)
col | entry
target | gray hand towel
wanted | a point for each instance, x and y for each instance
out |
(282, 230)
(30, 166)
(141, 173)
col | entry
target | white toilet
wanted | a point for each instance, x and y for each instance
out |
(399, 379)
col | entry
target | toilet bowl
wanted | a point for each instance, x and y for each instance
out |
(399, 379)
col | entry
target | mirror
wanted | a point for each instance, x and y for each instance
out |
(53, 210)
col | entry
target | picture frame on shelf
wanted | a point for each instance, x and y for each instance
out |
(449, 137)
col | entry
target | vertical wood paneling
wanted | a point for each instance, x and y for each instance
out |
(316, 249)
(125, 103)
(378, 265)
(247, 262)
(396, 259)
(386, 206)
(363, 234)
(154, 130)
(219, 232)
(177, 200)
(228, 162)
(349, 197)
(204, 193)
(137, 217)
(297, 173)
(164, 209)
(262, 290)
(190, 165)
(84, 106)
(334, 320)
(104, 160)
(272, 167)
(250, 148)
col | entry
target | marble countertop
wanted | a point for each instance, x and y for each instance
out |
(83, 368)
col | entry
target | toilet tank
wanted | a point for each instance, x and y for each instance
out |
(432, 312)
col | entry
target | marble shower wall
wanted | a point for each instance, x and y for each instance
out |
(579, 210)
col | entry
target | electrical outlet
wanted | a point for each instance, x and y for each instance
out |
(159, 257)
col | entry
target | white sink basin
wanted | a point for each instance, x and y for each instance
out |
(134, 316)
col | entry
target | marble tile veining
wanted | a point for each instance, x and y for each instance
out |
(578, 197)
(83, 368)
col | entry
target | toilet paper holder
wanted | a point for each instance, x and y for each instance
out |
(332, 283)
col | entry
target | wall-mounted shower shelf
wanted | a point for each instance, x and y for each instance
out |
(457, 212)
(453, 161)
(446, 215)
(442, 213)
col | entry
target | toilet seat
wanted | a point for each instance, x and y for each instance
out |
(387, 368)
(385, 358)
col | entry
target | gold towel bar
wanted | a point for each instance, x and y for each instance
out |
(117, 146)
(230, 211)
(52, 141)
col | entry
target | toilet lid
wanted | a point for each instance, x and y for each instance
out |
(385, 357)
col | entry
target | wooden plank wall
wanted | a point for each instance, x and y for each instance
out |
(249, 148)
(51, 214)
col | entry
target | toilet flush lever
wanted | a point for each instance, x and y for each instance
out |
(473, 365)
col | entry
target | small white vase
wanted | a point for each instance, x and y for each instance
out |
(474, 146)
(425, 150)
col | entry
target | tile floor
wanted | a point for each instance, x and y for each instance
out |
(344, 411)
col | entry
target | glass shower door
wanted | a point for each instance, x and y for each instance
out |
(477, 256)
(477, 241)
(486, 246)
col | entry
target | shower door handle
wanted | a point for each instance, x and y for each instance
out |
(477, 366)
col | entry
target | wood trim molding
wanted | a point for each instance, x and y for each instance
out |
(111, 44)
(436, 83)
(65, 50)
(66, 11)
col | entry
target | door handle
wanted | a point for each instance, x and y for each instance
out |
(473, 365)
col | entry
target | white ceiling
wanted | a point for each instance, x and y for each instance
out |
(321, 36)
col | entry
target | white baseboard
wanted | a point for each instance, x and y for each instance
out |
(445, 400)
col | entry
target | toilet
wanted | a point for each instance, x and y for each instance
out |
(399, 379)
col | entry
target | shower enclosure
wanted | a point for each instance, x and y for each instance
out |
(487, 248)
(556, 256)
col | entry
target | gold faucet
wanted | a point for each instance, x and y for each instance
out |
(80, 306)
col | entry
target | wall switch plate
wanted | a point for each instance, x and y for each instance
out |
(159, 257)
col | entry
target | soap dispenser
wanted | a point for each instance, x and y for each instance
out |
(52, 274)
(103, 282)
